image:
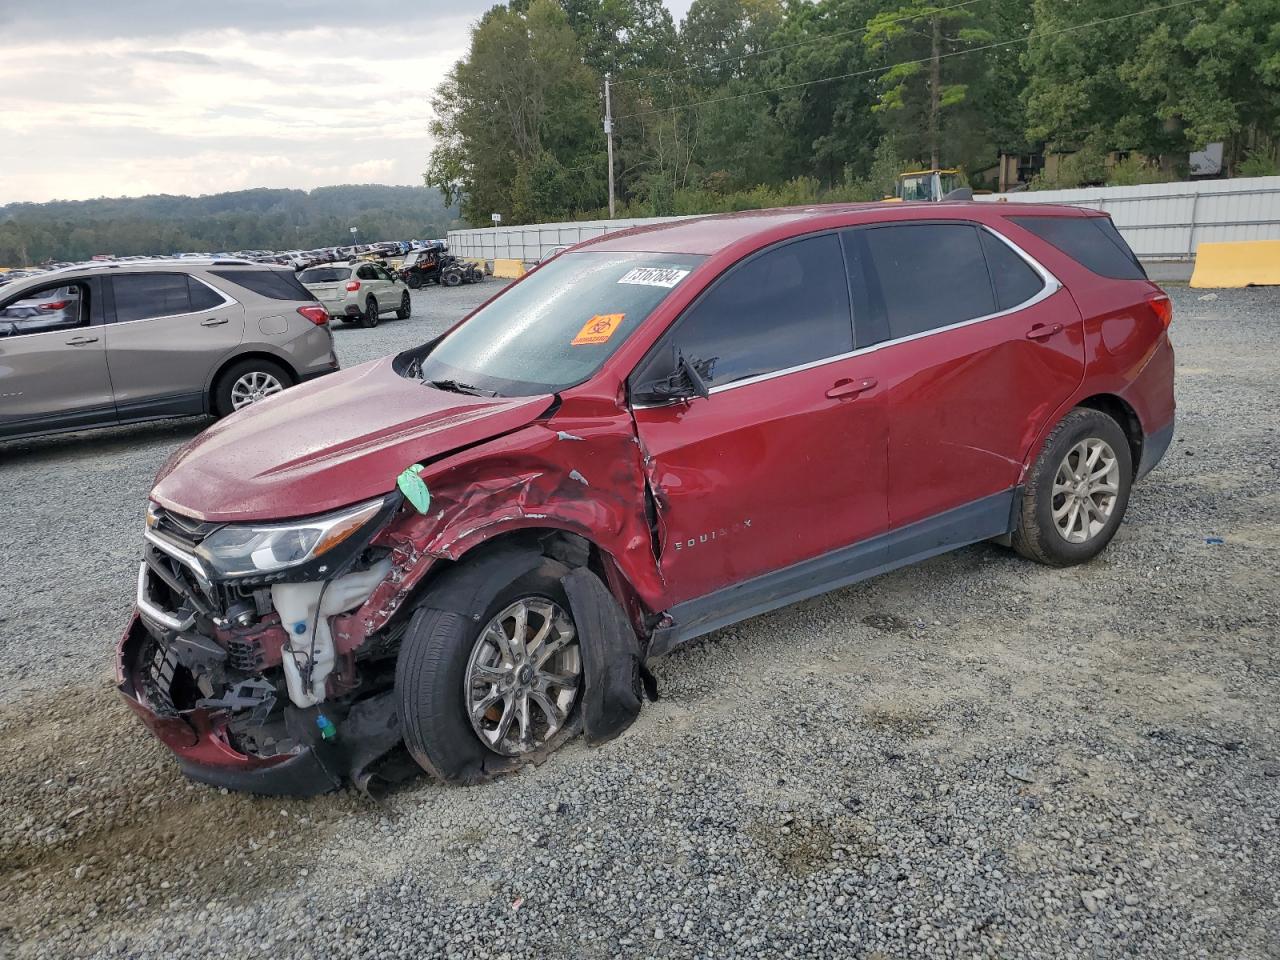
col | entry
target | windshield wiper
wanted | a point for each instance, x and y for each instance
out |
(455, 386)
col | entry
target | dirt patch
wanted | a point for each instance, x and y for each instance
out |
(98, 827)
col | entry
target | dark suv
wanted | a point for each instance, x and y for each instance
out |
(117, 343)
(471, 547)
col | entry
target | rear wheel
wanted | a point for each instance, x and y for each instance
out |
(247, 382)
(405, 308)
(451, 278)
(369, 318)
(1077, 492)
(486, 696)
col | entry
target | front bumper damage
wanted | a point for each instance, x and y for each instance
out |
(248, 700)
(280, 750)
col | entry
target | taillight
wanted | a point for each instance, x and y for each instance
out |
(1162, 307)
(315, 313)
(353, 286)
(55, 305)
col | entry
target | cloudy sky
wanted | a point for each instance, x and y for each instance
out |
(129, 97)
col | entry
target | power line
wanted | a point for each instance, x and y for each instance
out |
(785, 46)
(860, 73)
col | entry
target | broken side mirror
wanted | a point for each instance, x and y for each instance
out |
(686, 381)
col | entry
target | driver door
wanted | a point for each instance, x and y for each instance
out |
(784, 460)
(53, 361)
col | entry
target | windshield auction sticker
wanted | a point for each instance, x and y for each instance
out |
(654, 276)
(598, 329)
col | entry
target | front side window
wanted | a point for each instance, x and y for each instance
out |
(929, 275)
(783, 308)
(557, 326)
(146, 296)
(58, 307)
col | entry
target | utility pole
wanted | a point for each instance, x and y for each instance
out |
(608, 132)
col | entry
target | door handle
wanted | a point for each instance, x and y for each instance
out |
(842, 389)
(1040, 331)
(213, 321)
(81, 341)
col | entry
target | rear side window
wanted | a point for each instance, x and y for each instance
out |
(1013, 278)
(929, 275)
(145, 296)
(786, 307)
(202, 296)
(1093, 242)
(272, 284)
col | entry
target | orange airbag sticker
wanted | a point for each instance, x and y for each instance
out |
(598, 329)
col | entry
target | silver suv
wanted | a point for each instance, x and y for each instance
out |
(117, 343)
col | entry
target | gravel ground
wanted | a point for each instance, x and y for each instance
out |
(975, 757)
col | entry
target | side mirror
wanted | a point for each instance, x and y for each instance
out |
(688, 380)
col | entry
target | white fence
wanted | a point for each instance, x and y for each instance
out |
(1161, 221)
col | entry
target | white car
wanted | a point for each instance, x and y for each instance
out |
(357, 292)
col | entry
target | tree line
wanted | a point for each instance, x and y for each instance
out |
(263, 219)
(748, 103)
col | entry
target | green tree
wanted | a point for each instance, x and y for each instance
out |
(519, 111)
(920, 37)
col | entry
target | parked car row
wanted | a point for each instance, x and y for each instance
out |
(297, 259)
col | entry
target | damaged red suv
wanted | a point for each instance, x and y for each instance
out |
(471, 548)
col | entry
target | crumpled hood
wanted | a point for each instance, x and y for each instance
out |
(327, 443)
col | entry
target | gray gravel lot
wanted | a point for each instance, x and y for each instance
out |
(975, 757)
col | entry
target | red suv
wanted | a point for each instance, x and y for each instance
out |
(472, 547)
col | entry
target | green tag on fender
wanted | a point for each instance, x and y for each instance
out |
(415, 488)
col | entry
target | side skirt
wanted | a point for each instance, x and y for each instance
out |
(983, 519)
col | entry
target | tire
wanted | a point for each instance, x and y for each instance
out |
(229, 390)
(451, 278)
(432, 688)
(369, 319)
(413, 281)
(405, 308)
(1077, 536)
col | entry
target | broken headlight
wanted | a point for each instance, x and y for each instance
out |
(251, 549)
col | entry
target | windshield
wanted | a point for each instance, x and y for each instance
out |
(324, 274)
(557, 326)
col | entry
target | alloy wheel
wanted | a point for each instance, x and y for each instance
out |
(523, 676)
(1085, 490)
(252, 387)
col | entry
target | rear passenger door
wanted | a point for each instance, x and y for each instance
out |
(168, 334)
(979, 345)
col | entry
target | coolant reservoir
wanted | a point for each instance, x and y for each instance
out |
(297, 605)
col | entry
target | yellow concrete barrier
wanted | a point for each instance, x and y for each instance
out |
(1240, 264)
(508, 269)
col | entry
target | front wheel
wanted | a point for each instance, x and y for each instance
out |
(451, 279)
(1077, 492)
(483, 697)
(414, 281)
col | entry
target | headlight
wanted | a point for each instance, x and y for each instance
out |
(235, 550)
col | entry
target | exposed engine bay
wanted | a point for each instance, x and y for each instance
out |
(229, 649)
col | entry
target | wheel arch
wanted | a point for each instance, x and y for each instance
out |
(221, 369)
(1119, 410)
(533, 543)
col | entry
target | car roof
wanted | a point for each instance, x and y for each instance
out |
(712, 234)
(159, 265)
